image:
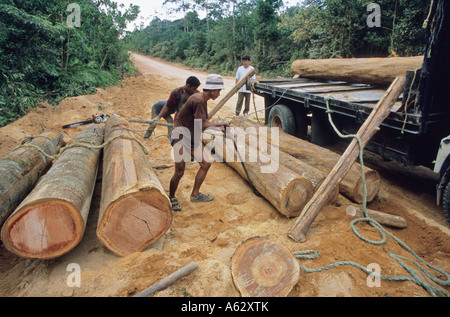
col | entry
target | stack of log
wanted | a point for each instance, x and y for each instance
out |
(52, 213)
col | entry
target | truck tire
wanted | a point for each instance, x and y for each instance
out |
(446, 201)
(281, 116)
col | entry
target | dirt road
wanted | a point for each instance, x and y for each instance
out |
(210, 233)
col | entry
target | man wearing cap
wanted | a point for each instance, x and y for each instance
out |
(187, 138)
(243, 93)
(164, 109)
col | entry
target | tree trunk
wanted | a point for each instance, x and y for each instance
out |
(261, 267)
(324, 160)
(135, 211)
(20, 170)
(373, 71)
(287, 191)
(51, 220)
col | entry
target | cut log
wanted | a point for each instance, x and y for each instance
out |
(314, 175)
(373, 71)
(135, 211)
(365, 133)
(261, 267)
(380, 217)
(323, 160)
(171, 279)
(20, 170)
(287, 191)
(51, 221)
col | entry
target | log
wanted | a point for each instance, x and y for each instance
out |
(135, 211)
(262, 267)
(230, 94)
(314, 175)
(171, 279)
(372, 71)
(22, 167)
(324, 160)
(380, 217)
(51, 221)
(365, 133)
(287, 191)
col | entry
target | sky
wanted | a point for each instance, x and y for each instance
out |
(153, 8)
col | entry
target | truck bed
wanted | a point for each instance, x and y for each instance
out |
(352, 100)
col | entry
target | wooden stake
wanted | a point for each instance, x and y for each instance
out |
(366, 132)
(171, 279)
(51, 221)
(381, 217)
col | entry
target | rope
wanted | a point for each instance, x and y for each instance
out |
(431, 289)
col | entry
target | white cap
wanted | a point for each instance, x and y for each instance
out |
(214, 82)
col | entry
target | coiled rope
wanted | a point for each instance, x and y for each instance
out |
(415, 278)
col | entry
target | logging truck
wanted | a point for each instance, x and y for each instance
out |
(417, 130)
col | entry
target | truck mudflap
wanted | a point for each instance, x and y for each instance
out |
(442, 167)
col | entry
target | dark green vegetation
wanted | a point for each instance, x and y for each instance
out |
(274, 36)
(46, 55)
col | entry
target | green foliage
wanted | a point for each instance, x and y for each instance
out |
(43, 58)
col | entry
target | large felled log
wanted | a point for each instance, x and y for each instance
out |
(324, 160)
(365, 133)
(314, 175)
(373, 71)
(51, 220)
(287, 191)
(20, 170)
(261, 267)
(135, 211)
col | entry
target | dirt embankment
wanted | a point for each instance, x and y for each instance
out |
(210, 233)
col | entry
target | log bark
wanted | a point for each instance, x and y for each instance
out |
(230, 94)
(22, 167)
(314, 175)
(135, 211)
(324, 160)
(261, 267)
(51, 221)
(365, 133)
(287, 191)
(381, 217)
(373, 71)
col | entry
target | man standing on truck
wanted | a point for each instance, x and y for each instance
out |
(243, 93)
(190, 122)
(178, 97)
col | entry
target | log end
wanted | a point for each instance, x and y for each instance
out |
(134, 222)
(45, 230)
(297, 194)
(261, 267)
(373, 181)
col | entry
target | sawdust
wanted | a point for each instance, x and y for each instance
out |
(210, 233)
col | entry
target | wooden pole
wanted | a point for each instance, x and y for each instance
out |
(366, 132)
(171, 279)
(51, 221)
(135, 211)
(151, 122)
(381, 217)
(22, 167)
(230, 94)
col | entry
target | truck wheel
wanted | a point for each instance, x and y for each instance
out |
(281, 116)
(446, 201)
